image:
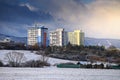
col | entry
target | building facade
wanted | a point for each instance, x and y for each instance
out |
(38, 35)
(76, 37)
(58, 37)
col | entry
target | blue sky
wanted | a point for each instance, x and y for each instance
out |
(97, 18)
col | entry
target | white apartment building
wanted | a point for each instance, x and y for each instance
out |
(38, 35)
(32, 35)
(58, 37)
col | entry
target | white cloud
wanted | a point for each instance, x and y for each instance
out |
(98, 19)
(104, 19)
(30, 7)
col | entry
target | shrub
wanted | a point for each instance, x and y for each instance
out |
(15, 59)
(1, 64)
(37, 63)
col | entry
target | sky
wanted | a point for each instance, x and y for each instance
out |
(96, 18)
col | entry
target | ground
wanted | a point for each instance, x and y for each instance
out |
(53, 73)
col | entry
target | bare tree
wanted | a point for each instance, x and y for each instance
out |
(44, 56)
(15, 59)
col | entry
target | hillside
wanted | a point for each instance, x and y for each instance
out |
(104, 42)
(32, 56)
(88, 41)
(13, 38)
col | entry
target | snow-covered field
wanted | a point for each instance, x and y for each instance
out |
(58, 74)
(53, 73)
(32, 56)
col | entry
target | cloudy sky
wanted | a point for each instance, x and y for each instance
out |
(97, 18)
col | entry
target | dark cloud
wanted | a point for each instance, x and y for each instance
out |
(89, 15)
(47, 5)
(17, 13)
(21, 14)
(13, 16)
(84, 1)
(13, 29)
